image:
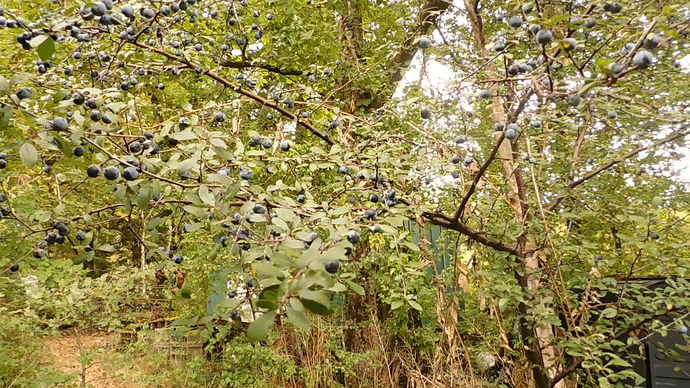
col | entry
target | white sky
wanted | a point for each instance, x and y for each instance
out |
(437, 76)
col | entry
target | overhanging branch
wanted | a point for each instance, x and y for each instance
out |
(259, 65)
(478, 177)
(453, 224)
(522, 103)
(613, 162)
(492, 156)
(303, 123)
(430, 11)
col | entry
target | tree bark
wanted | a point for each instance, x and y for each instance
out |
(534, 338)
(428, 14)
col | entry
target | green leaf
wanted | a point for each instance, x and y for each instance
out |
(46, 49)
(415, 305)
(618, 362)
(191, 228)
(46, 145)
(355, 287)
(604, 382)
(268, 269)
(337, 287)
(60, 209)
(45, 44)
(502, 304)
(84, 256)
(42, 215)
(308, 256)
(106, 248)
(185, 321)
(64, 145)
(316, 308)
(197, 211)
(292, 243)
(60, 95)
(187, 134)
(28, 154)
(6, 113)
(267, 304)
(297, 305)
(120, 192)
(206, 196)
(260, 328)
(186, 106)
(143, 197)
(340, 210)
(154, 223)
(233, 189)
(588, 86)
(319, 297)
(254, 218)
(280, 224)
(19, 78)
(37, 41)
(388, 229)
(286, 215)
(396, 304)
(186, 165)
(304, 236)
(298, 318)
(4, 84)
(333, 253)
(221, 178)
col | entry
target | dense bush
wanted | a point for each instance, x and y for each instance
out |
(271, 175)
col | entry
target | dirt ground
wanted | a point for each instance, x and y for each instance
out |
(65, 350)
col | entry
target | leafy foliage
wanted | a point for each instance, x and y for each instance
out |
(163, 156)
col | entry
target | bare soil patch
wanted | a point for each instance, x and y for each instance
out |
(95, 350)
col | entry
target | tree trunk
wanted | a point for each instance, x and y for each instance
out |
(534, 338)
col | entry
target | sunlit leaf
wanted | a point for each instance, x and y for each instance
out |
(28, 154)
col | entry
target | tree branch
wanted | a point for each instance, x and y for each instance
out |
(521, 106)
(9, 206)
(453, 224)
(430, 11)
(244, 92)
(494, 152)
(145, 172)
(272, 68)
(639, 42)
(515, 182)
(613, 162)
(478, 177)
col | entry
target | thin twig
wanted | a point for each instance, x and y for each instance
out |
(244, 92)
(478, 177)
(611, 163)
